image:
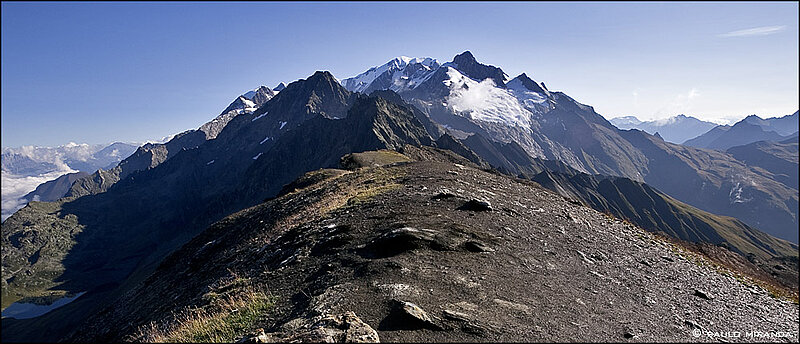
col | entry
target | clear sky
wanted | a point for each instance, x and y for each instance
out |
(101, 72)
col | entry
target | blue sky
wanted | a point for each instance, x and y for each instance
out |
(102, 72)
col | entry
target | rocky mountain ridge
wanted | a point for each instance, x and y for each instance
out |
(113, 237)
(432, 251)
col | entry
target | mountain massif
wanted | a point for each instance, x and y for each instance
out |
(360, 240)
(749, 130)
(676, 129)
(550, 125)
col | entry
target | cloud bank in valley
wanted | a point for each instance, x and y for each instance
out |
(16, 186)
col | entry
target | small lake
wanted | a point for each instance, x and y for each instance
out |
(31, 310)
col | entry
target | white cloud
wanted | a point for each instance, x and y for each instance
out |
(16, 186)
(692, 94)
(756, 31)
(680, 104)
(484, 101)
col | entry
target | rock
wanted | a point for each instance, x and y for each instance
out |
(443, 194)
(467, 324)
(257, 337)
(472, 328)
(692, 324)
(348, 328)
(406, 315)
(331, 328)
(585, 258)
(703, 294)
(628, 335)
(474, 246)
(476, 205)
(394, 290)
(453, 315)
(294, 325)
(399, 240)
(512, 305)
(414, 311)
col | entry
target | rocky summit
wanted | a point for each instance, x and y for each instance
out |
(426, 246)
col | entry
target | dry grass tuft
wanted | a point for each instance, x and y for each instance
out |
(228, 313)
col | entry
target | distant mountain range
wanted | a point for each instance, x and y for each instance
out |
(117, 226)
(32, 160)
(749, 130)
(25, 168)
(676, 129)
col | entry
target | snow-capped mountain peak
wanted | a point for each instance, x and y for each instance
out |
(244, 104)
(523, 81)
(469, 66)
(401, 73)
(625, 122)
(484, 101)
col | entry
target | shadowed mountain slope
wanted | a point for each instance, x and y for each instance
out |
(779, 158)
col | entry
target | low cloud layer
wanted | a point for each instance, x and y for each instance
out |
(16, 186)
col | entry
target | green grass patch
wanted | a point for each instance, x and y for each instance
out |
(223, 327)
(367, 194)
(228, 320)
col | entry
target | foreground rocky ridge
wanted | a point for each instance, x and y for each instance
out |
(437, 250)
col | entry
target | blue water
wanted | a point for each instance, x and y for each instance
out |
(31, 310)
